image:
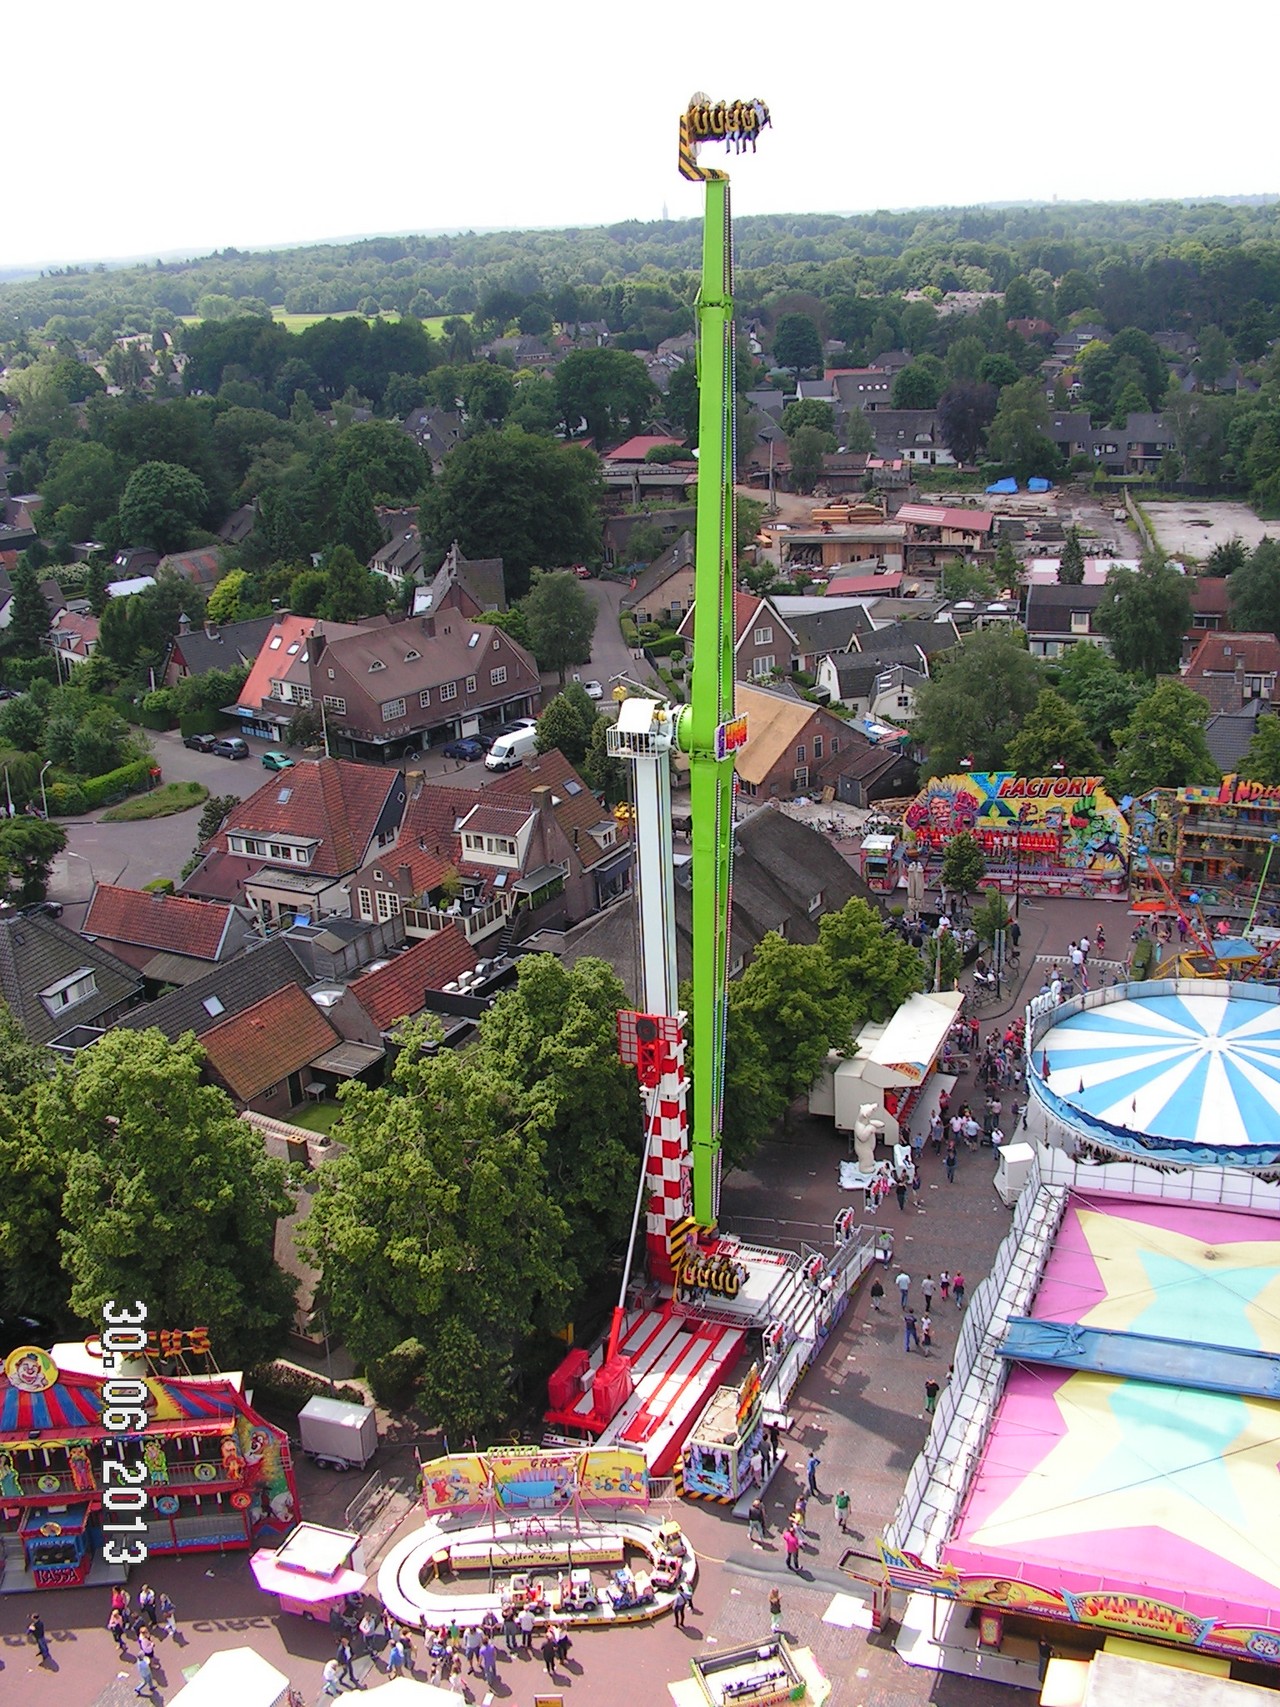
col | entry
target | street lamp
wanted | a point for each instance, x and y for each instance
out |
(1017, 861)
(44, 800)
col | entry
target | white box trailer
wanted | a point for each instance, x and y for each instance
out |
(343, 1436)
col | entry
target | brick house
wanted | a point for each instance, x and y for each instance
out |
(664, 591)
(170, 939)
(225, 646)
(373, 1004)
(1231, 669)
(263, 1056)
(763, 641)
(788, 739)
(61, 989)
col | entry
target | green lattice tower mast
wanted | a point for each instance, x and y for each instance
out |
(707, 730)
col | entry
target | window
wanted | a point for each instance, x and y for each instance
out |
(391, 709)
(497, 677)
(761, 667)
(366, 904)
(1079, 622)
(800, 754)
(388, 905)
(377, 664)
(334, 702)
(835, 743)
(801, 778)
(817, 747)
(448, 690)
(471, 684)
(815, 905)
(763, 636)
(424, 698)
(68, 991)
(904, 702)
(279, 850)
(302, 695)
(411, 656)
(497, 645)
(213, 1007)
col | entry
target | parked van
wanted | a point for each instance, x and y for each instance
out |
(510, 750)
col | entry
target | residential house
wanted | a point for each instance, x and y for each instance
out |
(1210, 609)
(867, 388)
(768, 401)
(170, 939)
(820, 626)
(136, 560)
(371, 1006)
(913, 436)
(1231, 669)
(875, 762)
(392, 689)
(893, 361)
(670, 523)
(229, 987)
(202, 567)
(1068, 345)
(785, 877)
(870, 685)
(664, 591)
(1135, 448)
(472, 586)
(216, 646)
(62, 990)
(1228, 734)
(73, 637)
(435, 432)
(238, 525)
(763, 643)
(266, 1056)
(279, 679)
(49, 589)
(291, 849)
(1058, 617)
(787, 740)
(400, 559)
(22, 511)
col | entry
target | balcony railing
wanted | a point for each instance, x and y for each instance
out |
(481, 922)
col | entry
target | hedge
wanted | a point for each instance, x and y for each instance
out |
(128, 779)
(65, 799)
(200, 723)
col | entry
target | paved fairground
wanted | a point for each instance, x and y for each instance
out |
(861, 1408)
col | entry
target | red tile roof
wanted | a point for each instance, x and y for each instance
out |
(331, 800)
(274, 657)
(173, 924)
(576, 808)
(636, 449)
(277, 1036)
(397, 990)
(1259, 654)
(844, 585)
(1210, 596)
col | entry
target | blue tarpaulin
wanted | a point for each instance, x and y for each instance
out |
(1143, 1357)
(1038, 484)
(1005, 487)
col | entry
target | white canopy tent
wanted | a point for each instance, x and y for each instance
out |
(235, 1675)
(895, 1055)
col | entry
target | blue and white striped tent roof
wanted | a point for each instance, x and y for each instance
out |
(1191, 1068)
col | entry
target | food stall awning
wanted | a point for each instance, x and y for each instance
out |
(235, 1674)
(902, 1051)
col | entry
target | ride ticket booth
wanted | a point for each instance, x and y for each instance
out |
(55, 1544)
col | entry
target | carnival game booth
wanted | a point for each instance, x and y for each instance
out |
(1216, 843)
(717, 1457)
(314, 1572)
(1041, 835)
(893, 1069)
(1103, 1462)
(209, 1471)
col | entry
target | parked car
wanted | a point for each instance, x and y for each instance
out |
(582, 572)
(466, 747)
(230, 747)
(508, 751)
(200, 743)
(45, 909)
(276, 762)
(593, 690)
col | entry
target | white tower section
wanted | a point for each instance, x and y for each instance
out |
(644, 735)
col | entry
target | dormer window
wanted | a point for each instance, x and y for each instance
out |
(377, 664)
(68, 991)
(412, 657)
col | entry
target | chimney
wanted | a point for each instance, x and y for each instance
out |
(210, 629)
(429, 627)
(184, 623)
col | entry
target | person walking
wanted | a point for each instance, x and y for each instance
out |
(926, 1334)
(951, 1161)
(35, 1629)
(471, 1641)
(903, 1283)
(527, 1621)
(931, 1391)
(928, 1288)
(775, 1611)
(146, 1685)
(909, 1334)
(332, 1682)
(877, 1293)
(765, 1448)
(917, 1186)
(679, 1605)
(773, 1440)
(791, 1542)
(944, 1284)
(900, 1188)
(560, 1636)
(550, 1654)
(346, 1666)
(842, 1511)
(115, 1624)
(811, 1471)
(935, 1132)
(488, 1657)
(801, 1510)
(756, 1521)
(957, 1289)
(147, 1604)
(755, 1465)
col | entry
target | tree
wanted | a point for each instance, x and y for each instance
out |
(1105, 697)
(488, 390)
(1071, 563)
(609, 777)
(393, 467)
(519, 497)
(351, 590)
(964, 865)
(859, 438)
(965, 411)
(645, 542)
(567, 723)
(1018, 440)
(30, 623)
(443, 1252)
(225, 599)
(796, 343)
(169, 1195)
(355, 522)
(28, 848)
(161, 504)
(919, 384)
(213, 815)
(561, 615)
(874, 968)
(1226, 557)
(608, 389)
(82, 491)
(1006, 568)
(808, 412)
(964, 580)
(976, 702)
(1255, 591)
(1144, 613)
(792, 999)
(1163, 745)
(997, 370)
(1053, 734)
(991, 916)
(807, 450)
(1260, 764)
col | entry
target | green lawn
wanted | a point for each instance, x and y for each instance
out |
(160, 803)
(316, 1117)
(299, 322)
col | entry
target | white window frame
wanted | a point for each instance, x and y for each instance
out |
(334, 702)
(763, 636)
(366, 904)
(424, 698)
(471, 684)
(448, 690)
(391, 709)
(498, 676)
(70, 991)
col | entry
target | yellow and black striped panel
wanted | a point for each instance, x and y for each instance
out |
(689, 167)
(678, 1239)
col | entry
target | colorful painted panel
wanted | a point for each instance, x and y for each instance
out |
(1066, 824)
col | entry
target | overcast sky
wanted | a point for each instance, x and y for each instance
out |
(143, 129)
